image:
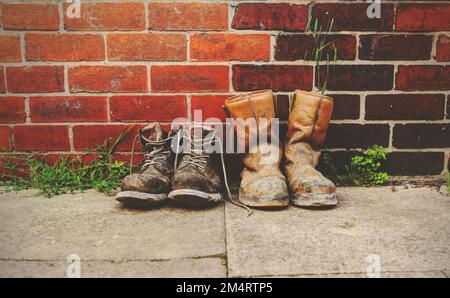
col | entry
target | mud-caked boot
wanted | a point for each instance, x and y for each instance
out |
(263, 185)
(196, 182)
(151, 185)
(307, 127)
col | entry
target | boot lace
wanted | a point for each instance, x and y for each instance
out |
(157, 156)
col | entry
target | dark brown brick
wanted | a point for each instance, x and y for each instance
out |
(405, 107)
(282, 107)
(340, 161)
(357, 135)
(359, 77)
(422, 77)
(421, 136)
(270, 16)
(300, 46)
(275, 77)
(353, 16)
(345, 106)
(414, 163)
(395, 47)
(448, 106)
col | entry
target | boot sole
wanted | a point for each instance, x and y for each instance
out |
(195, 198)
(314, 200)
(265, 202)
(140, 199)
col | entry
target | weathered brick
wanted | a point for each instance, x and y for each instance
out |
(35, 79)
(21, 168)
(12, 109)
(30, 16)
(5, 139)
(229, 47)
(147, 108)
(107, 16)
(188, 16)
(353, 16)
(90, 136)
(357, 135)
(340, 161)
(275, 77)
(270, 16)
(301, 46)
(64, 47)
(443, 48)
(68, 109)
(421, 136)
(414, 163)
(395, 47)
(108, 78)
(147, 47)
(359, 77)
(282, 107)
(187, 78)
(423, 17)
(345, 106)
(209, 105)
(448, 106)
(405, 107)
(41, 138)
(10, 48)
(422, 77)
(2, 80)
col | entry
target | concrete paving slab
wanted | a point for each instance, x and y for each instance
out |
(407, 231)
(96, 227)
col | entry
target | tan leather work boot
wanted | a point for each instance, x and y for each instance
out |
(307, 128)
(152, 185)
(196, 182)
(263, 184)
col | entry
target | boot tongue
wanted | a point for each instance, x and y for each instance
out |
(153, 132)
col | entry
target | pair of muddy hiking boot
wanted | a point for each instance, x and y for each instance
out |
(273, 177)
(176, 166)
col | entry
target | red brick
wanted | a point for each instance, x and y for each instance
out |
(230, 47)
(12, 109)
(357, 135)
(139, 47)
(2, 80)
(35, 79)
(5, 138)
(405, 107)
(423, 17)
(395, 47)
(270, 16)
(108, 79)
(353, 16)
(90, 136)
(147, 108)
(421, 135)
(41, 138)
(189, 78)
(443, 48)
(210, 106)
(68, 109)
(422, 77)
(275, 77)
(10, 49)
(345, 106)
(188, 16)
(107, 16)
(64, 47)
(359, 77)
(301, 46)
(30, 16)
(19, 160)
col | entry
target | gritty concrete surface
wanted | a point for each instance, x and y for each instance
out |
(404, 234)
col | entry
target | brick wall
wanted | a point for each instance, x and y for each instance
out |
(68, 83)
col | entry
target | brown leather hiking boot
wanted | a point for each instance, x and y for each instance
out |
(307, 128)
(263, 184)
(196, 182)
(151, 186)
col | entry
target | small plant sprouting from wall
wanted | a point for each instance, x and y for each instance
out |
(68, 175)
(321, 51)
(364, 169)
